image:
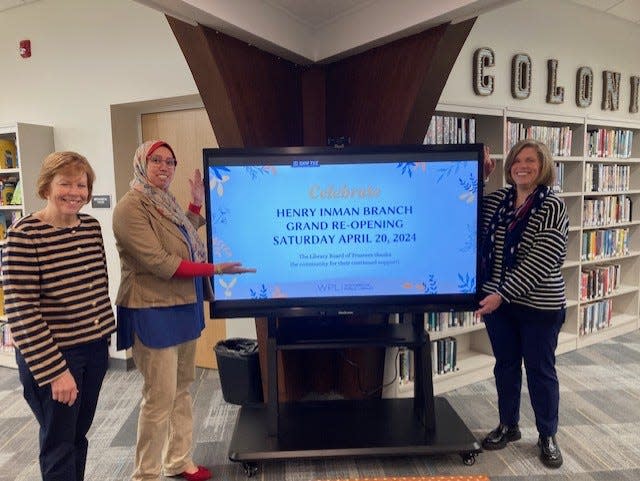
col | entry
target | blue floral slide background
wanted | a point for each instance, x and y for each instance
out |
(365, 229)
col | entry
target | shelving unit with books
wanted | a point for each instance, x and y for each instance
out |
(599, 191)
(610, 249)
(473, 355)
(488, 125)
(22, 148)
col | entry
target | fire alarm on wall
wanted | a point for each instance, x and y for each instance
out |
(25, 48)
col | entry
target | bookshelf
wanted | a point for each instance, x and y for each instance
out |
(32, 143)
(587, 148)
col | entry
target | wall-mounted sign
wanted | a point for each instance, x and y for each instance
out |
(521, 76)
(555, 94)
(584, 86)
(521, 72)
(483, 58)
(610, 90)
(101, 201)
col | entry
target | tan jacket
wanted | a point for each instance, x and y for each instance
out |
(151, 248)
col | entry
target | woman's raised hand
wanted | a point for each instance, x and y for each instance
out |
(488, 163)
(197, 188)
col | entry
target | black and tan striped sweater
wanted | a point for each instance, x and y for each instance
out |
(56, 291)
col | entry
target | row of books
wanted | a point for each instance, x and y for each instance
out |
(606, 211)
(604, 244)
(444, 355)
(602, 142)
(6, 219)
(451, 130)
(559, 184)
(596, 282)
(8, 153)
(595, 316)
(558, 139)
(606, 177)
(10, 191)
(444, 359)
(441, 321)
(610, 143)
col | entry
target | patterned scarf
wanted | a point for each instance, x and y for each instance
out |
(163, 200)
(515, 221)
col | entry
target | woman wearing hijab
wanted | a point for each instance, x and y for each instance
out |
(165, 278)
(523, 247)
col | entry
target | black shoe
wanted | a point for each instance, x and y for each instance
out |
(500, 436)
(550, 454)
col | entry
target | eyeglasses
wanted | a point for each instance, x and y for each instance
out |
(157, 161)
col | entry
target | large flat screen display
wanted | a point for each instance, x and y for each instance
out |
(342, 231)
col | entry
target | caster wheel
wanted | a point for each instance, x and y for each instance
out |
(250, 469)
(469, 459)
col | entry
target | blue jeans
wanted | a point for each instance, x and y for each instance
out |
(63, 428)
(517, 333)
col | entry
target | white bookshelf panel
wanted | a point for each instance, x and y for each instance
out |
(472, 367)
(566, 342)
(574, 240)
(33, 144)
(455, 331)
(574, 211)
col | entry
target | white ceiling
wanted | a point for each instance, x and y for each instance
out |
(625, 9)
(7, 4)
(307, 31)
(317, 13)
(319, 30)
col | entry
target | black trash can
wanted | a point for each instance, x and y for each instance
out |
(239, 369)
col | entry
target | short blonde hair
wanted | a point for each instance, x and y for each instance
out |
(60, 162)
(547, 175)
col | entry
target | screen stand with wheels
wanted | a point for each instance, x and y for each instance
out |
(420, 425)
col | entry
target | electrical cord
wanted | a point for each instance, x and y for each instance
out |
(371, 392)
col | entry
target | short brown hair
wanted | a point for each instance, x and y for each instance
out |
(547, 174)
(58, 162)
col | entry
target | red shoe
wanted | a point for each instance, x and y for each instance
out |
(200, 475)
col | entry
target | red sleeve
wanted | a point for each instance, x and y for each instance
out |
(194, 208)
(194, 269)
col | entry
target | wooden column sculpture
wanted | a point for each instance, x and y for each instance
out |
(384, 95)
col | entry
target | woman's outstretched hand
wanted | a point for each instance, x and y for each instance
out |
(488, 163)
(197, 188)
(233, 268)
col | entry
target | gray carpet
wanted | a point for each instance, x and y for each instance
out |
(599, 429)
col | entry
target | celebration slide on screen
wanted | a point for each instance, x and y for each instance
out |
(314, 229)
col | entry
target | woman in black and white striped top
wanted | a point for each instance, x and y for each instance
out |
(523, 246)
(59, 312)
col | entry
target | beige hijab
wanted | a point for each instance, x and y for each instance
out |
(163, 200)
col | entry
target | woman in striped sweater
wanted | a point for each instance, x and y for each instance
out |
(523, 246)
(57, 304)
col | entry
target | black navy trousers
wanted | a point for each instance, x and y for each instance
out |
(63, 428)
(517, 333)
